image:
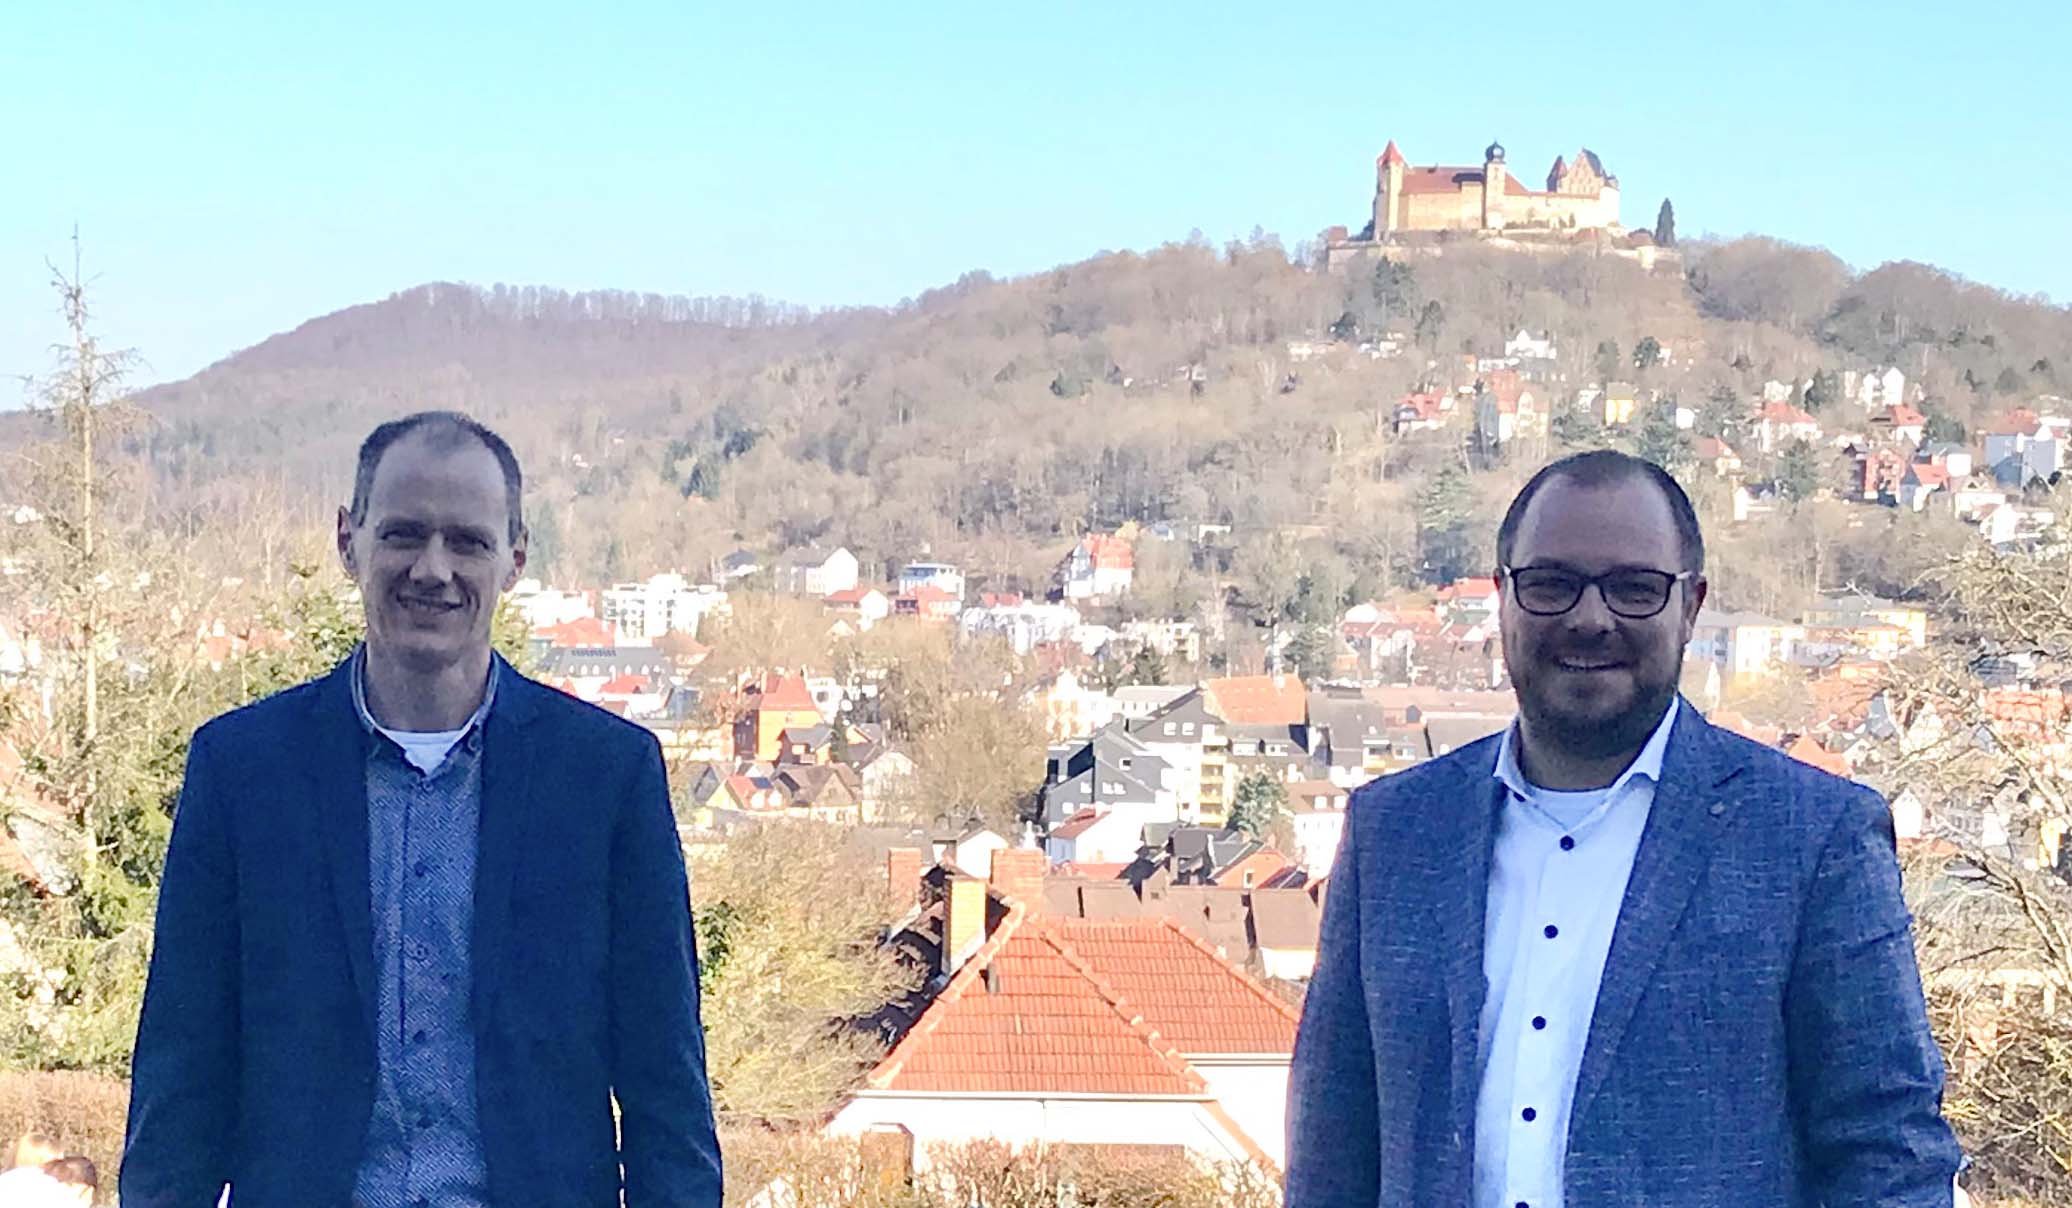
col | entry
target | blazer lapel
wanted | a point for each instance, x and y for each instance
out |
(338, 776)
(1461, 904)
(501, 828)
(1692, 805)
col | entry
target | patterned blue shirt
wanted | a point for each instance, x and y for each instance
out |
(424, 1143)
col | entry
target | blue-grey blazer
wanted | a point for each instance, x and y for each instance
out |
(255, 1059)
(1759, 1038)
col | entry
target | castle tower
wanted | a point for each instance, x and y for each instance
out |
(1388, 191)
(1493, 187)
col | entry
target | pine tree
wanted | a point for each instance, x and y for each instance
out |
(1259, 802)
(1665, 225)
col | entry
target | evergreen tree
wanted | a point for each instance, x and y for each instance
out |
(1665, 225)
(1395, 292)
(1798, 472)
(1430, 324)
(1445, 516)
(1608, 360)
(1309, 652)
(1659, 440)
(1146, 666)
(1647, 354)
(1259, 802)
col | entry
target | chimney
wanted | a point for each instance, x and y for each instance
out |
(964, 921)
(1018, 874)
(903, 867)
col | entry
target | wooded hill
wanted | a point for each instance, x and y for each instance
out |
(989, 422)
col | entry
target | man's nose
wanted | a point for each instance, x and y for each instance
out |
(1592, 612)
(432, 564)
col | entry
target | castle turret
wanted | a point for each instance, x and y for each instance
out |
(1388, 191)
(1493, 187)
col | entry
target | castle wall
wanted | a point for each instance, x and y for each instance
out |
(1458, 211)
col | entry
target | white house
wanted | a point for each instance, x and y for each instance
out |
(940, 575)
(543, 606)
(1125, 1032)
(1094, 836)
(1316, 810)
(867, 605)
(1779, 423)
(1743, 643)
(1099, 566)
(817, 573)
(1525, 344)
(1024, 626)
(664, 603)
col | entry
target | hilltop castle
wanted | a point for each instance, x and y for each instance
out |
(1424, 205)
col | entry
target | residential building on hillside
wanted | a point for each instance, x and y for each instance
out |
(1135, 702)
(1527, 346)
(1871, 391)
(1580, 195)
(1316, 811)
(664, 603)
(545, 606)
(1071, 708)
(1779, 423)
(1177, 640)
(1024, 626)
(1111, 772)
(865, 605)
(779, 703)
(816, 572)
(928, 602)
(2025, 448)
(1195, 745)
(939, 575)
(1743, 643)
(1100, 566)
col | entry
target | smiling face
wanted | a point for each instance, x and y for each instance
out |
(1592, 684)
(432, 553)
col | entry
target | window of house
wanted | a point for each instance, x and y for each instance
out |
(1169, 727)
(1188, 728)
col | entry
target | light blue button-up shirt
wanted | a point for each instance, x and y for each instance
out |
(424, 1142)
(1551, 911)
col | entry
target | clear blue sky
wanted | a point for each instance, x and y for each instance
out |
(238, 168)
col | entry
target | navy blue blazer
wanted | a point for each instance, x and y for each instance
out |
(255, 1057)
(1759, 1036)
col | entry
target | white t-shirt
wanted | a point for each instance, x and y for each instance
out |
(29, 1187)
(426, 749)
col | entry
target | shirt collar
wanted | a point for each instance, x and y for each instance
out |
(359, 682)
(1647, 763)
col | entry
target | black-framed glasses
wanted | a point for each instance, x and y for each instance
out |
(1631, 592)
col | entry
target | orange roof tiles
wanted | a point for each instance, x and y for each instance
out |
(1109, 552)
(1785, 413)
(1258, 700)
(582, 631)
(786, 693)
(1391, 155)
(1195, 998)
(1086, 1006)
(1027, 1015)
(1806, 750)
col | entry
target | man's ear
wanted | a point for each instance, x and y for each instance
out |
(517, 558)
(345, 540)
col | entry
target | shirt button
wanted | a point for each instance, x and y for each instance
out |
(419, 869)
(1552, 931)
(417, 1037)
(425, 1120)
(1568, 843)
(1539, 1022)
(1529, 1114)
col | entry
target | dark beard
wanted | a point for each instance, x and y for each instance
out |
(1587, 739)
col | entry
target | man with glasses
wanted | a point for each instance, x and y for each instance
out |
(1614, 955)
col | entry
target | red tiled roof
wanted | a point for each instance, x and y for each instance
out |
(1258, 700)
(1027, 1015)
(928, 593)
(582, 631)
(1785, 413)
(2019, 422)
(1391, 155)
(1078, 824)
(851, 596)
(1109, 552)
(1439, 179)
(1903, 416)
(1930, 475)
(1712, 448)
(624, 685)
(1808, 751)
(1196, 999)
(786, 693)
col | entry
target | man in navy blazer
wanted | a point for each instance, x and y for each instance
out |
(424, 923)
(1614, 956)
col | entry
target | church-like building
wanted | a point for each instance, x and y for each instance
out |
(1415, 204)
